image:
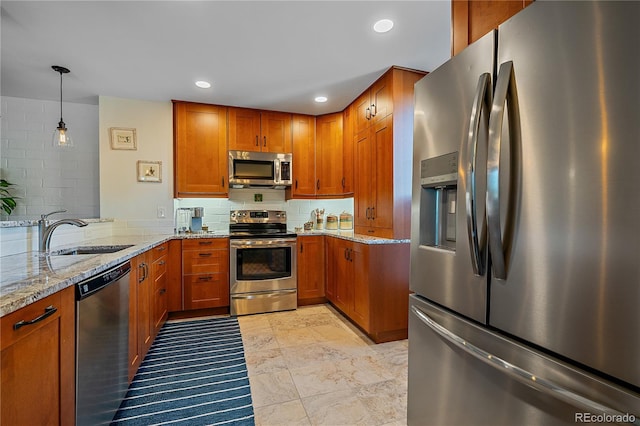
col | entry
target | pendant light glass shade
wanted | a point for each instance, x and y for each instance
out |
(61, 137)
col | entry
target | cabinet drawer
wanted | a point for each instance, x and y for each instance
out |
(204, 261)
(159, 266)
(29, 313)
(159, 251)
(205, 243)
(206, 291)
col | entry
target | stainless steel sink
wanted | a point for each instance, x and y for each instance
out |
(90, 250)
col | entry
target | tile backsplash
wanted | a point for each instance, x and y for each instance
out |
(216, 210)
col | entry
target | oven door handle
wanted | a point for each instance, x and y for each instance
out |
(280, 242)
(249, 296)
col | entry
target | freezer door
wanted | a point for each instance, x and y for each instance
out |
(442, 263)
(571, 237)
(463, 374)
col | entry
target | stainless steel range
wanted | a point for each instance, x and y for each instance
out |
(262, 262)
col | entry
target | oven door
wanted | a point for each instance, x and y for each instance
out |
(262, 264)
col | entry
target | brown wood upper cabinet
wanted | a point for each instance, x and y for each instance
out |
(473, 19)
(254, 130)
(200, 150)
(375, 103)
(318, 156)
(383, 144)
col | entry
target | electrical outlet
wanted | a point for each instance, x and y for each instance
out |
(161, 212)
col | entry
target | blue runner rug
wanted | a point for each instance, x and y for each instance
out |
(194, 374)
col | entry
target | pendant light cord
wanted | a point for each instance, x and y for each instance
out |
(60, 95)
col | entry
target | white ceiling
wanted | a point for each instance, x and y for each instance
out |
(275, 55)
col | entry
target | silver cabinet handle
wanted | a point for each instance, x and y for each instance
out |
(481, 102)
(505, 92)
(523, 376)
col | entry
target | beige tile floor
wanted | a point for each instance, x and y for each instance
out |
(312, 367)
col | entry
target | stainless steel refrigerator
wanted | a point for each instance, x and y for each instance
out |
(525, 238)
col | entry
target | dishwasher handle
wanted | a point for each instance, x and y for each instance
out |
(94, 284)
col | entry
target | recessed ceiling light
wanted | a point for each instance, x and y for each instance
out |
(383, 25)
(203, 84)
(321, 99)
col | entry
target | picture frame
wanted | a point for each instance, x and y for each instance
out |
(149, 171)
(123, 138)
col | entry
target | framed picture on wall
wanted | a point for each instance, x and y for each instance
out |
(149, 171)
(122, 138)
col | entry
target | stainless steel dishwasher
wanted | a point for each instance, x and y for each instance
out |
(102, 345)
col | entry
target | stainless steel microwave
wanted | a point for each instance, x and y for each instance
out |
(259, 169)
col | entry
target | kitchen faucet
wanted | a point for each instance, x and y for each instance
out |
(45, 232)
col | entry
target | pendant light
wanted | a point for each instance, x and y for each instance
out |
(61, 137)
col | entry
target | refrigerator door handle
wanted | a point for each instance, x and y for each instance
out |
(481, 102)
(526, 377)
(505, 92)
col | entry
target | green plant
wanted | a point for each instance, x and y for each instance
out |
(8, 201)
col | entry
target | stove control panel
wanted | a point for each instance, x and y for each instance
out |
(258, 216)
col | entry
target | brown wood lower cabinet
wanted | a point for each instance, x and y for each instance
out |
(311, 270)
(160, 283)
(369, 283)
(38, 363)
(205, 268)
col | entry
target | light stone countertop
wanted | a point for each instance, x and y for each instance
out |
(28, 277)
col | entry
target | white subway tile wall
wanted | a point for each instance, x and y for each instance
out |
(24, 239)
(216, 210)
(49, 178)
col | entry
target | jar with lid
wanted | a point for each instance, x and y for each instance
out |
(332, 222)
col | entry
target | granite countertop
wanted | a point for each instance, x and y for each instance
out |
(28, 277)
(351, 236)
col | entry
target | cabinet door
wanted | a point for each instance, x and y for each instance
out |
(311, 268)
(344, 277)
(362, 112)
(381, 97)
(200, 150)
(159, 292)
(382, 174)
(275, 128)
(38, 363)
(332, 258)
(174, 276)
(363, 201)
(304, 155)
(348, 151)
(244, 129)
(329, 154)
(358, 258)
(140, 323)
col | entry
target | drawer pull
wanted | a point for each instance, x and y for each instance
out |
(205, 243)
(48, 311)
(160, 248)
(162, 262)
(207, 278)
(162, 291)
(204, 254)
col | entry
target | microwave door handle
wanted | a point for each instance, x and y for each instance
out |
(481, 102)
(499, 239)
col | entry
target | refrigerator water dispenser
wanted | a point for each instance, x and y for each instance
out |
(438, 201)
